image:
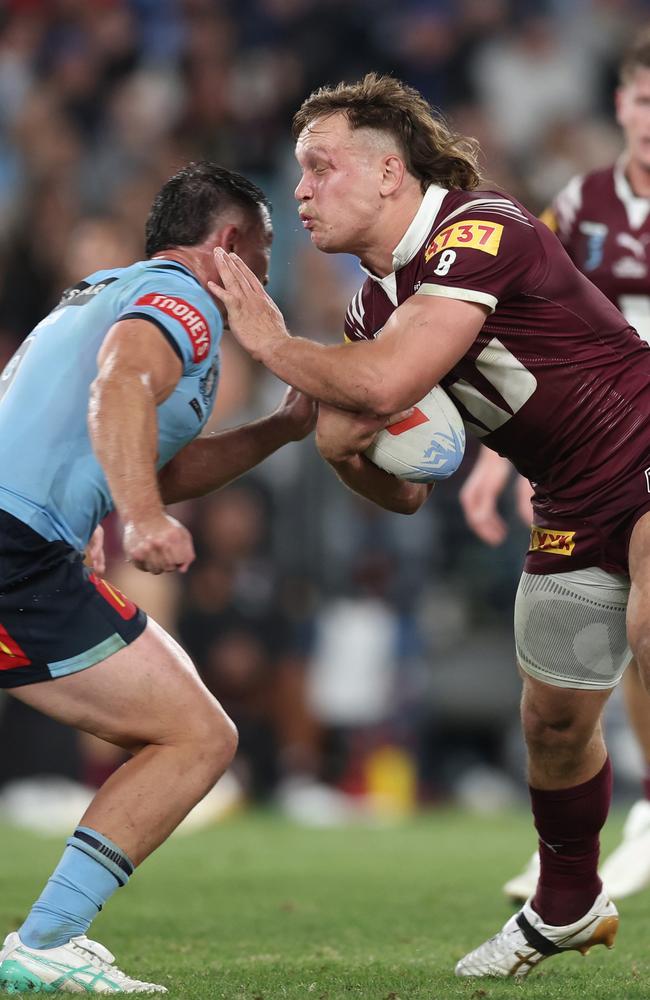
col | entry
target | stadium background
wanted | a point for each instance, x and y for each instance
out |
(356, 650)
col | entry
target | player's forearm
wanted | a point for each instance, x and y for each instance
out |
(210, 462)
(122, 422)
(350, 376)
(490, 473)
(374, 484)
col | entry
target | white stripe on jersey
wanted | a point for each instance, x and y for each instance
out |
(636, 207)
(357, 307)
(567, 203)
(500, 206)
(356, 311)
(465, 294)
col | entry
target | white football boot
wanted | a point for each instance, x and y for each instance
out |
(80, 966)
(627, 869)
(525, 941)
(523, 886)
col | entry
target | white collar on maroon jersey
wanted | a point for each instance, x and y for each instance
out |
(636, 207)
(413, 238)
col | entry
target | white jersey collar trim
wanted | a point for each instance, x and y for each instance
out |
(420, 227)
(414, 237)
(636, 206)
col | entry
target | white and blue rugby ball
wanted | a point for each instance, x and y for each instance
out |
(425, 447)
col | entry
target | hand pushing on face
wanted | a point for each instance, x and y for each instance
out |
(253, 316)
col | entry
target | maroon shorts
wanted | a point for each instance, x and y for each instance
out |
(561, 544)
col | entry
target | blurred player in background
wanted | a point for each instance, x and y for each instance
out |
(102, 407)
(467, 289)
(603, 221)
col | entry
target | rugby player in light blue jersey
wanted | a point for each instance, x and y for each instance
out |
(102, 407)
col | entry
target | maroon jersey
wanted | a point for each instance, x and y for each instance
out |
(556, 380)
(605, 229)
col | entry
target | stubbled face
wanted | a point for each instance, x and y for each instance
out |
(339, 190)
(633, 112)
(249, 235)
(253, 244)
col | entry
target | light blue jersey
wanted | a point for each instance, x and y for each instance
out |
(49, 476)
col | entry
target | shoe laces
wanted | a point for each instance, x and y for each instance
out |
(503, 942)
(99, 955)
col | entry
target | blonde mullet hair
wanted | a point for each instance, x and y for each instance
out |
(432, 151)
(636, 57)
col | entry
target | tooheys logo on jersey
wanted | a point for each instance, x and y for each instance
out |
(475, 233)
(187, 315)
(556, 543)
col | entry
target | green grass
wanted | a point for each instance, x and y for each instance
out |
(257, 909)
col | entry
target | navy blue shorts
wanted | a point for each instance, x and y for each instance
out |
(56, 616)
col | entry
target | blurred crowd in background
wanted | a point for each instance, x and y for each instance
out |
(358, 652)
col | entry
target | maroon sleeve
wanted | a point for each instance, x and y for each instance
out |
(484, 254)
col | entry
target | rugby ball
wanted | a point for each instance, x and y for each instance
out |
(427, 446)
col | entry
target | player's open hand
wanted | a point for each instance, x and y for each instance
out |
(253, 316)
(298, 412)
(159, 544)
(341, 435)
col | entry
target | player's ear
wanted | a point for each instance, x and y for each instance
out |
(393, 171)
(228, 237)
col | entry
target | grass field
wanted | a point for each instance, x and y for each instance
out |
(256, 909)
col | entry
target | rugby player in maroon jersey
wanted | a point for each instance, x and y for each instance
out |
(471, 291)
(603, 222)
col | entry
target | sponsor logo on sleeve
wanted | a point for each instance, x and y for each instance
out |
(208, 384)
(475, 233)
(556, 543)
(192, 321)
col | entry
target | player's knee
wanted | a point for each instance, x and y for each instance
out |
(228, 740)
(644, 674)
(554, 730)
(214, 738)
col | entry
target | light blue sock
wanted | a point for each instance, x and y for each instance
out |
(91, 869)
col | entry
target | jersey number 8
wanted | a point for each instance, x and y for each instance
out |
(447, 258)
